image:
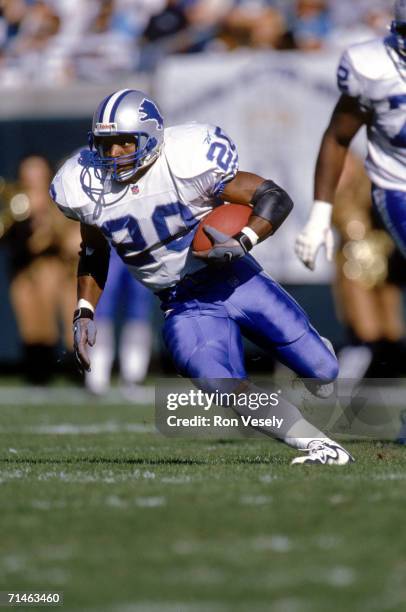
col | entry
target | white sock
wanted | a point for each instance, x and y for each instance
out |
(101, 358)
(294, 431)
(306, 433)
(135, 351)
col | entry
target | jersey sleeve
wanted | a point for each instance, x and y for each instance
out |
(204, 156)
(58, 194)
(222, 161)
(349, 80)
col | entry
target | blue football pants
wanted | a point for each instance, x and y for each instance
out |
(123, 292)
(208, 313)
(391, 206)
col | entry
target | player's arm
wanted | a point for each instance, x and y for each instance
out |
(347, 118)
(271, 204)
(93, 267)
(270, 207)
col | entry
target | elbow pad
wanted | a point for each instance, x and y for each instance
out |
(272, 203)
(94, 263)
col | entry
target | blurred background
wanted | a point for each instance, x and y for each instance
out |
(264, 70)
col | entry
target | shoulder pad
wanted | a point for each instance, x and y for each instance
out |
(195, 149)
(370, 59)
(66, 190)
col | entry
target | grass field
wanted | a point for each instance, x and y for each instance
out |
(94, 503)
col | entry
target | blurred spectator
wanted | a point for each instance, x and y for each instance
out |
(255, 23)
(76, 19)
(123, 296)
(57, 41)
(43, 248)
(38, 25)
(12, 13)
(118, 25)
(312, 24)
(183, 26)
(171, 20)
(207, 13)
(29, 32)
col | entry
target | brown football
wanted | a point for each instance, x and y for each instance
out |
(227, 218)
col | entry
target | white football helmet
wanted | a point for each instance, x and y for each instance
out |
(126, 112)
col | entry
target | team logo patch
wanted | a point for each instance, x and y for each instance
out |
(151, 113)
(106, 128)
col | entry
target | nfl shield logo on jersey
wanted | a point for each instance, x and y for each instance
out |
(135, 189)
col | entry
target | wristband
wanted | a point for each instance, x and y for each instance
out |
(83, 313)
(253, 236)
(244, 241)
(85, 304)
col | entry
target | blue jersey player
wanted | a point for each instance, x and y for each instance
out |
(143, 189)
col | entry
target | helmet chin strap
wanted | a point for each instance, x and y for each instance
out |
(123, 177)
(402, 50)
(396, 46)
(107, 182)
(126, 176)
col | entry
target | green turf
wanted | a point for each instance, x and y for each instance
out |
(129, 520)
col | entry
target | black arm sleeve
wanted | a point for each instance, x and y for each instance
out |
(272, 203)
(94, 262)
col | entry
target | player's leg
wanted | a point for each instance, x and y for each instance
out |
(204, 346)
(391, 206)
(311, 356)
(270, 317)
(209, 348)
(33, 292)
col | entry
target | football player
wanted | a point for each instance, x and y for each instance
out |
(143, 190)
(372, 79)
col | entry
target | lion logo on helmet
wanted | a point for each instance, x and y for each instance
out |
(149, 112)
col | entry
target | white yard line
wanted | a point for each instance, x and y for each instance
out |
(44, 396)
(388, 396)
(110, 427)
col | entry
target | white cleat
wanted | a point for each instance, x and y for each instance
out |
(321, 452)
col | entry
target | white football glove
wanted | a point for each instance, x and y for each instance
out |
(315, 234)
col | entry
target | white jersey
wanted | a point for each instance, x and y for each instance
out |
(152, 222)
(374, 73)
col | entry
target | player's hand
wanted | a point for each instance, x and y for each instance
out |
(225, 248)
(316, 234)
(84, 334)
